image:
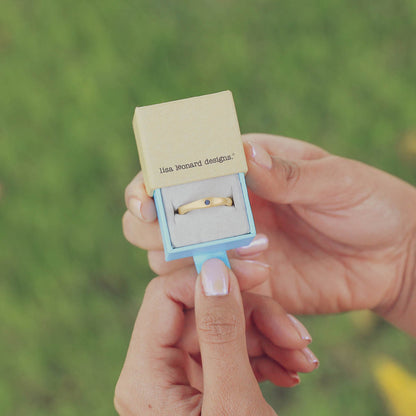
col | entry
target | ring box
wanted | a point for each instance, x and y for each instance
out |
(189, 150)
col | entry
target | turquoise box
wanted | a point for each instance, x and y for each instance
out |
(203, 251)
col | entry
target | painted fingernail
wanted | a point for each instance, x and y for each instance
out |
(144, 211)
(302, 331)
(260, 156)
(148, 211)
(257, 246)
(215, 278)
(310, 356)
(135, 207)
(294, 376)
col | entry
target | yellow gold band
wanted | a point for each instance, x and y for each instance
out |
(205, 203)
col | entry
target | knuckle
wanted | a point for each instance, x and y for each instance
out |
(219, 327)
(155, 285)
(130, 398)
(180, 402)
(290, 172)
(122, 402)
(347, 174)
(155, 262)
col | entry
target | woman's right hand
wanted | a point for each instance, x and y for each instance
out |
(341, 234)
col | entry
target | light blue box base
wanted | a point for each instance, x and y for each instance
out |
(208, 249)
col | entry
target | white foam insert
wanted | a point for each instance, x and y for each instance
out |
(207, 224)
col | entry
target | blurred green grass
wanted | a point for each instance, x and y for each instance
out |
(339, 74)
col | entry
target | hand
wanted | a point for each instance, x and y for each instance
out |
(342, 235)
(161, 377)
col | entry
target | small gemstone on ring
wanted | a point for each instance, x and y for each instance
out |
(207, 202)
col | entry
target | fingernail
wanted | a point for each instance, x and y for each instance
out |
(294, 376)
(260, 156)
(258, 245)
(310, 356)
(144, 211)
(302, 331)
(214, 278)
(148, 211)
(135, 207)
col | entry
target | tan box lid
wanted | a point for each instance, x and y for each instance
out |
(188, 140)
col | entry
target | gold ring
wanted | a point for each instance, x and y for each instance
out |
(205, 203)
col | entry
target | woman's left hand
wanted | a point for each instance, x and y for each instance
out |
(189, 353)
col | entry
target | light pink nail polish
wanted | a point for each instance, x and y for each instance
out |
(294, 376)
(302, 331)
(258, 245)
(215, 278)
(260, 156)
(148, 211)
(135, 207)
(310, 356)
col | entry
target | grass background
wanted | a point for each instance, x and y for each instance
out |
(340, 74)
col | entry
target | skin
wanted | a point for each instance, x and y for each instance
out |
(342, 234)
(160, 377)
(333, 235)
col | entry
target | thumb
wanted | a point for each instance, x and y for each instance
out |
(283, 181)
(228, 378)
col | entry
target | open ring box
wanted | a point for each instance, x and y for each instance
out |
(191, 150)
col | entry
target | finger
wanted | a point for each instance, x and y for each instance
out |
(254, 250)
(138, 202)
(161, 316)
(302, 360)
(152, 363)
(141, 234)
(266, 369)
(194, 372)
(160, 320)
(265, 321)
(276, 373)
(220, 325)
(289, 363)
(249, 274)
(283, 330)
(285, 147)
(296, 181)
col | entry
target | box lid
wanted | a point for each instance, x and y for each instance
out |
(188, 140)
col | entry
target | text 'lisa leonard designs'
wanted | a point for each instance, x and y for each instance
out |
(195, 164)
